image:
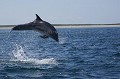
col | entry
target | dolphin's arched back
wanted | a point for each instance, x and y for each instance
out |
(39, 25)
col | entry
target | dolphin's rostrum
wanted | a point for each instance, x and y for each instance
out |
(41, 26)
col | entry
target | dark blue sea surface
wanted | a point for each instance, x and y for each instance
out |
(82, 53)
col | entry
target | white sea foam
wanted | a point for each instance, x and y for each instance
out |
(19, 55)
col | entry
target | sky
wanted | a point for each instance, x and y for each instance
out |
(60, 11)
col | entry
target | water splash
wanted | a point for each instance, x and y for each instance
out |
(62, 40)
(20, 55)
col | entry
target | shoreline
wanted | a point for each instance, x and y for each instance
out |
(86, 25)
(71, 26)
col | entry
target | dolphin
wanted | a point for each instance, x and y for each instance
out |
(41, 26)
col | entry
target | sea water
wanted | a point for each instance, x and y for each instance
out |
(82, 53)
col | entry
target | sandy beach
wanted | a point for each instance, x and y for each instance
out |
(67, 26)
(89, 26)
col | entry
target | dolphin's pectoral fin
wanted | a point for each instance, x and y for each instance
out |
(44, 36)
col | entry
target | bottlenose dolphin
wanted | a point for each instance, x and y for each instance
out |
(41, 26)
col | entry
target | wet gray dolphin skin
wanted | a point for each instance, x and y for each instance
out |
(41, 26)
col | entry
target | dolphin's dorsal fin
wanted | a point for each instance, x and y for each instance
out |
(38, 18)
